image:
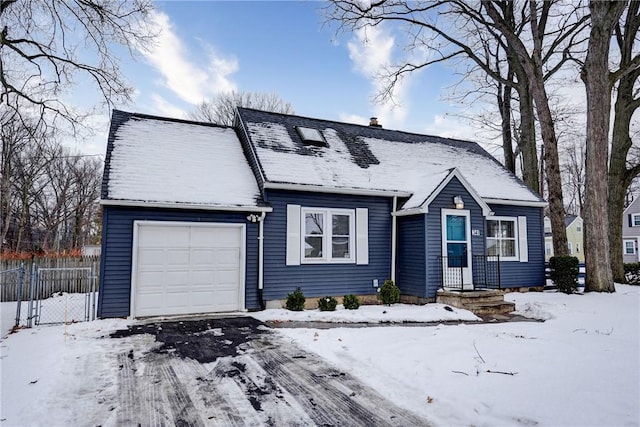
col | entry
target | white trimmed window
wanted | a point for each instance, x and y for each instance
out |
(328, 235)
(629, 247)
(548, 249)
(502, 238)
(507, 237)
(324, 235)
(635, 220)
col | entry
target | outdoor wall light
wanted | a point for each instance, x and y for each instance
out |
(458, 202)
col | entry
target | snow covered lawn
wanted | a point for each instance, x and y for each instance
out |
(579, 367)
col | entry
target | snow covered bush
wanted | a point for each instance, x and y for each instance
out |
(564, 273)
(295, 300)
(632, 273)
(389, 293)
(327, 304)
(351, 302)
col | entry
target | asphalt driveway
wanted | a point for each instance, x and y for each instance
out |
(237, 372)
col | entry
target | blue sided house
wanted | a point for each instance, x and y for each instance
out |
(199, 218)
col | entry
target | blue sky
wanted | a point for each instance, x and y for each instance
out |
(208, 47)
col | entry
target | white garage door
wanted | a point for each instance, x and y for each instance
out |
(186, 268)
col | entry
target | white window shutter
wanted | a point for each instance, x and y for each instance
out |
(293, 235)
(362, 236)
(522, 239)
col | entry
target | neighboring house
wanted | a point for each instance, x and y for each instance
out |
(201, 218)
(574, 225)
(631, 232)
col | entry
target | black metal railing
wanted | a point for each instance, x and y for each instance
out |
(484, 274)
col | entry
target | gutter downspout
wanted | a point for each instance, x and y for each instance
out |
(261, 259)
(393, 238)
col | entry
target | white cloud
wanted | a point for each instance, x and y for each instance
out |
(190, 81)
(354, 118)
(371, 51)
(451, 126)
(166, 108)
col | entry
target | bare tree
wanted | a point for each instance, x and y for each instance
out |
(533, 58)
(595, 74)
(624, 165)
(574, 174)
(221, 110)
(48, 46)
(16, 138)
(532, 61)
(49, 198)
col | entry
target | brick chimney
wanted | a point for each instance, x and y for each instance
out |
(374, 122)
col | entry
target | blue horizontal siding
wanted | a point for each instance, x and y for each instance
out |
(117, 238)
(524, 274)
(444, 200)
(318, 280)
(411, 274)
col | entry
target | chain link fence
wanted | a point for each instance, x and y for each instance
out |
(48, 291)
(11, 285)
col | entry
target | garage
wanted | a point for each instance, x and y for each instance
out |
(187, 268)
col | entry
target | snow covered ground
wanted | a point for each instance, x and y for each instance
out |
(60, 307)
(579, 367)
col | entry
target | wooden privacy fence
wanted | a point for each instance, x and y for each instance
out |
(70, 276)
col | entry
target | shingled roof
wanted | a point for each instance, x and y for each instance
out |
(366, 158)
(176, 163)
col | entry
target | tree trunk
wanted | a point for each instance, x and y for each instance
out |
(620, 177)
(552, 167)
(527, 142)
(595, 74)
(532, 67)
(504, 106)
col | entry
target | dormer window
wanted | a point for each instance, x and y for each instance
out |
(311, 136)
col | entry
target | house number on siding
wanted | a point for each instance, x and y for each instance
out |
(475, 232)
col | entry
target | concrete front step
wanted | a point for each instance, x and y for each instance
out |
(478, 302)
(450, 297)
(503, 307)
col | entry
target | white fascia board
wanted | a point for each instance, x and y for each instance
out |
(190, 206)
(412, 211)
(632, 204)
(334, 190)
(533, 204)
(486, 210)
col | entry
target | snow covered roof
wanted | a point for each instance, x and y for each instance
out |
(175, 163)
(366, 158)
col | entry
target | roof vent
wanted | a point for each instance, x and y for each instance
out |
(374, 122)
(311, 136)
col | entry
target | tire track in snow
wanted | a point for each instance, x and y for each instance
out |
(327, 395)
(181, 406)
(126, 391)
(264, 401)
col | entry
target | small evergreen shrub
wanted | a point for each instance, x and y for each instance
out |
(389, 293)
(564, 273)
(327, 304)
(295, 300)
(632, 273)
(351, 302)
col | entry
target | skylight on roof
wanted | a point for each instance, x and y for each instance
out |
(311, 136)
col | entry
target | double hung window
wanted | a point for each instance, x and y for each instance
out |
(329, 235)
(629, 247)
(502, 238)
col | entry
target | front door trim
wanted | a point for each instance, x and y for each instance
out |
(467, 274)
